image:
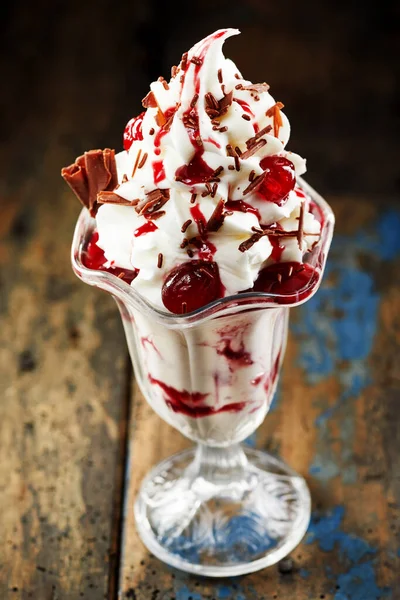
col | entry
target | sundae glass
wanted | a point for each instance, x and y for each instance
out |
(205, 234)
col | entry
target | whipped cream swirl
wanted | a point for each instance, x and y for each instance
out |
(189, 177)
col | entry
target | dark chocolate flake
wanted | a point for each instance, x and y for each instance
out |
(92, 173)
(143, 161)
(153, 202)
(184, 61)
(275, 112)
(216, 220)
(257, 87)
(186, 225)
(255, 184)
(253, 149)
(247, 244)
(149, 101)
(165, 84)
(196, 60)
(113, 198)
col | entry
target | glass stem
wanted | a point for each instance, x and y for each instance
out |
(222, 469)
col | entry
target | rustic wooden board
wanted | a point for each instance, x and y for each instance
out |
(63, 358)
(63, 404)
(335, 420)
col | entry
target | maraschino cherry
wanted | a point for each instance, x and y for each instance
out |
(280, 179)
(191, 285)
(290, 281)
(133, 131)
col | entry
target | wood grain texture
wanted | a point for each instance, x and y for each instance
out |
(63, 369)
(62, 380)
(334, 420)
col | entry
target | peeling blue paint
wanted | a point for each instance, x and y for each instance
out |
(358, 581)
(220, 591)
(184, 593)
(304, 573)
(337, 327)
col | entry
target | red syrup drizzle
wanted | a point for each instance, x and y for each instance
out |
(257, 380)
(93, 258)
(201, 55)
(198, 218)
(147, 340)
(269, 382)
(211, 141)
(145, 228)
(158, 165)
(192, 403)
(244, 105)
(240, 357)
(158, 171)
(205, 248)
(197, 171)
(241, 206)
(277, 249)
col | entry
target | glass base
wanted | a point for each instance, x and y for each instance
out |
(222, 512)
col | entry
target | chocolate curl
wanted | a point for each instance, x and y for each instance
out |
(92, 173)
(259, 88)
(216, 220)
(113, 198)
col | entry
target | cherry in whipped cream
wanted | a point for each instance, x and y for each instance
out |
(290, 281)
(191, 285)
(280, 179)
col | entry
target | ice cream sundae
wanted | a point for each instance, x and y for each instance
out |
(205, 234)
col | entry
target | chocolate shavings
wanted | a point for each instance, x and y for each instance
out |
(253, 149)
(143, 161)
(257, 87)
(253, 140)
(149, 101)
(234, 153)
(150, 206)
(217, 108)
(184, 61)
(94, 172)
(255, 184)
(186, 225)
(216, 220)
(113, 198)
(275, 112)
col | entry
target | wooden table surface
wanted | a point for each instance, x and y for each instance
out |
(77, 437)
